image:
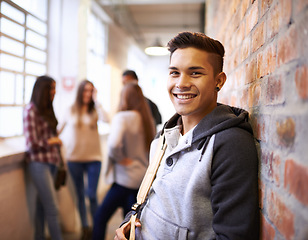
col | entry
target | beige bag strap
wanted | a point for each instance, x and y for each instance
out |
(147, 182)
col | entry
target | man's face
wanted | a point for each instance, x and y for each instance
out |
(127, 79)
(191, 84)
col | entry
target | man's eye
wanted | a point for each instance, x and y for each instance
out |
(195, 73)
(173, 73)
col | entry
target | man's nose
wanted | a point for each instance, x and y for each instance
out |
(183, 81)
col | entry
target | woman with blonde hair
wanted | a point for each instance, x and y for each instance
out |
(132, 131)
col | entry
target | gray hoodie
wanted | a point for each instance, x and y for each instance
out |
(207, 184)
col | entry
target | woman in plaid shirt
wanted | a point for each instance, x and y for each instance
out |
(43, 156)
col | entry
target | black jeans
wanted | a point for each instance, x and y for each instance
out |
(117, 196)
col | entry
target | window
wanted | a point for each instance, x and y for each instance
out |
(97, 71)
(23, 57)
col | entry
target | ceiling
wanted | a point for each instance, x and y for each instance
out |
(151, 20)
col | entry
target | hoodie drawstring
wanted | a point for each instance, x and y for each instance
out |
(202, 144)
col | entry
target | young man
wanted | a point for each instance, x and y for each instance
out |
(207, 184)
(131, 76)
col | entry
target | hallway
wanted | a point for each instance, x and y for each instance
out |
(266, 63)
(112, 225)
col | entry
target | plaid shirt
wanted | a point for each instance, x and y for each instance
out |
(37, 132)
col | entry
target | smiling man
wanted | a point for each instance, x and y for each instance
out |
(207, 184)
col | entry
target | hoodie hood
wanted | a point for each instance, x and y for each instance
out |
(221, 118)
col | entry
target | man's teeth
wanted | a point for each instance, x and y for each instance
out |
(185, 96)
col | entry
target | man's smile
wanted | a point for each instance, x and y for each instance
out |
(184, 96)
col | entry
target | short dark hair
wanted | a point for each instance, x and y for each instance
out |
(130, 73)
(202, 42)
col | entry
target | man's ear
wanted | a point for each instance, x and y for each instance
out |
(220, 79)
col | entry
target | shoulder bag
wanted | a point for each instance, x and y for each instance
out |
(147, 182)
(60, 178)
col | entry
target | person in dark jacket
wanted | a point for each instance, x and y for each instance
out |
(129, 76)
(206, 186)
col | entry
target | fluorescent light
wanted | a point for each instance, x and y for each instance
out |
(157, 49)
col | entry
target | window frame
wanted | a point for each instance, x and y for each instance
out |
(25, 74)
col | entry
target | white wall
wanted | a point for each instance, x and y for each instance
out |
(64, 50)
(154, 85)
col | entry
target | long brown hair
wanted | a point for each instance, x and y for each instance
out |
(79, 103)
(132, 99)
(42, 100)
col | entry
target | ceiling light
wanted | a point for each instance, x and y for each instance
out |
(157, 49)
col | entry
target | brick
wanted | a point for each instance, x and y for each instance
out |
(223, 99)
(254, 95)
(301, 4)
(287, 50)
(270, 58)
(295, 180)
(231, 43)
(259, 127)
(272, 166)
(278, 17)
(274, 90)
(265, 5)
(301, 42)
(228, 64)
(244, 7)
(251, 17)
(301, 81)
(261, 65)
(240, 34)
(266, 61)
(273, 21)
(234, 6)
(267, 231)
(286, 12)
(280, 214)
(265, 128)
(251, 71)
(244, 98)
(236, 59)
(286, 132)
(261, 194)
(233, 100)
(239, 81)
(245, 49)
(230, 82)
(236, 19)
(258, 37)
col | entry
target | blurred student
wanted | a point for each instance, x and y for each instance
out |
(42, 154)
(130, 76)
(131, 133)
(83, 149)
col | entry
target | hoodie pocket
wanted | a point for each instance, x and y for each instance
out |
(154, 227)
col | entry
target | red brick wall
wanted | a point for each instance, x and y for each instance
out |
(266, 62)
